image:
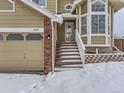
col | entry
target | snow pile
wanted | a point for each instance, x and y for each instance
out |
(96, 78)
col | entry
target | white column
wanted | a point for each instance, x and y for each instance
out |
(56, 6)
(53, 48)
(89, 21)
(110, 22)
(77, 22)
(113, 25)
(110, 14)
(106, 22)
(80, 20)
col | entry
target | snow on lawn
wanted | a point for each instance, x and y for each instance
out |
(95, 78)
(14, 83)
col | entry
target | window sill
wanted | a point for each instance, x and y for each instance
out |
(97, 45)
(86, 35)
(43, 6)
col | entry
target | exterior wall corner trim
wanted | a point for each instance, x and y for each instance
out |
(13, 10)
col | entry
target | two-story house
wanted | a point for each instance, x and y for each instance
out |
(36, 33)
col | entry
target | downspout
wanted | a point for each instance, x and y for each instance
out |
(53, 48)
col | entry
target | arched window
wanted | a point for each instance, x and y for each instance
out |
(98, 6)
(68, 6)
(1, 37)
(15, 37)
(34, 37)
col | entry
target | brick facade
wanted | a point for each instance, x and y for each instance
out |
(119, 43)
(47, 45)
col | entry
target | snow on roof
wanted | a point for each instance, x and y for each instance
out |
(43, 11)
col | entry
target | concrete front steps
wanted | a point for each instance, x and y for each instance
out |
(67, 57)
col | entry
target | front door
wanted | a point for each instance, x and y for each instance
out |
(69, 32)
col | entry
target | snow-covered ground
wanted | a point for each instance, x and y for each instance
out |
(95, 78)
(14, 83)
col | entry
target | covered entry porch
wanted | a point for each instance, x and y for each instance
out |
(66, 31)
(70, 49)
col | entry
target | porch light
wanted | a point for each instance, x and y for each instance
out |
(48, 37)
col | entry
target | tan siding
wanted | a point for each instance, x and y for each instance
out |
(23, 17)
(61, 4)
(84, 8)
(98, 40)
(51, 5)
(60, 33)
(100, 49)
(84, 39)
(110, 41)
(77, 10)
(5, 5)
(119, 43)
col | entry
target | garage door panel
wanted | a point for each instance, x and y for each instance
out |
(22, 55)
(34, 65)
(12, 56)
(36, 47)
(12, 65)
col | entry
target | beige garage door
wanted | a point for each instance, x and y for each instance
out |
(21, 52)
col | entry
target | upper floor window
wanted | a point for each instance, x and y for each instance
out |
(34, 37)
(68, 6)
(98, 6)
(15, 37)
(41, 2)
(98, 24)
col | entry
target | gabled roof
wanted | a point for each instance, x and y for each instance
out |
(43, 11)
(116, 4)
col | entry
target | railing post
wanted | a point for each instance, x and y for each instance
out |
(81, 47)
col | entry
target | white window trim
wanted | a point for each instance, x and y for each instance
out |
(99, 35)
(14, 7)
(98, 24)
(80, 20)
(95, 35)
(89, 33)
(84, 35)
(16, 30)
(67, 5)
(99, 1)
(100, 13)
(42, 6)
(97, 45)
